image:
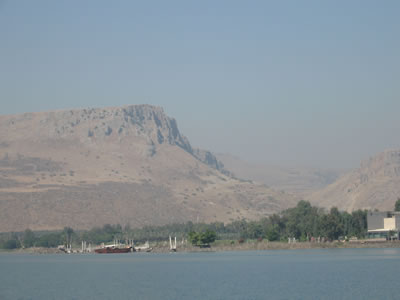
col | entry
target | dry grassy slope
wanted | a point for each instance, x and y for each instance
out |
(82, 168)
(375, 185)
(300, 181)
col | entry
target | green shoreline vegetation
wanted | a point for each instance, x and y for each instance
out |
(305, 223)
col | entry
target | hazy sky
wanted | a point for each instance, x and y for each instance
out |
(309, 83)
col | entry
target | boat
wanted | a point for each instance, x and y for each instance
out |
(144, 248)
(114, 249)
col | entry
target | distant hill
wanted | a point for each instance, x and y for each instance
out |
(374, 185)
(127, 165)
(300, 181)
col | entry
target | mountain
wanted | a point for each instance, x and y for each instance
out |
(299, 181)
(127, 165)
(374, 185)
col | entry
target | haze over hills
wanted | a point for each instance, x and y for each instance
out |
(127, 165)
(374, 185)
(300, 181)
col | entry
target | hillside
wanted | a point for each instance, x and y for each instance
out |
(300, 181)
(128, 165)
(374, 185)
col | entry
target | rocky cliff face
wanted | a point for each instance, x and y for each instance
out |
(88, 167)
(102, 124)
(210, 159)
(375, 185)
(93, 124)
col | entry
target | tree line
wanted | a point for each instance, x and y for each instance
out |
(302, 222)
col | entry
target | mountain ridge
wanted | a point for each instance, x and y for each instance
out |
(87, 167)
(374, 185)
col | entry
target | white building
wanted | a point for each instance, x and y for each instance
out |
(383, 224)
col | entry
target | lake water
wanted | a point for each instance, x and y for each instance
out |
(273, 274)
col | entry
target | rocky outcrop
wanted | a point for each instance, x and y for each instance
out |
(156, 124)
(211, 160)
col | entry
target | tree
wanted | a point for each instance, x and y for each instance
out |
(272, 233)
(193, 238)
(11, 241)
(11, 244)
(202, 239)
(50, 240)
(397, 205)
(68, 231)
(208, 237)
(301, 220)
(28, 238)
(359, 223)
(254, 230)
(330, 225)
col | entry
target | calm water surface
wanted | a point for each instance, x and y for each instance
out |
(286, 274)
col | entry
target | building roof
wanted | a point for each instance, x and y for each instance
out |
(382, 230)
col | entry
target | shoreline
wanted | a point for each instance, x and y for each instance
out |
(224, 246)
(264, 246)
